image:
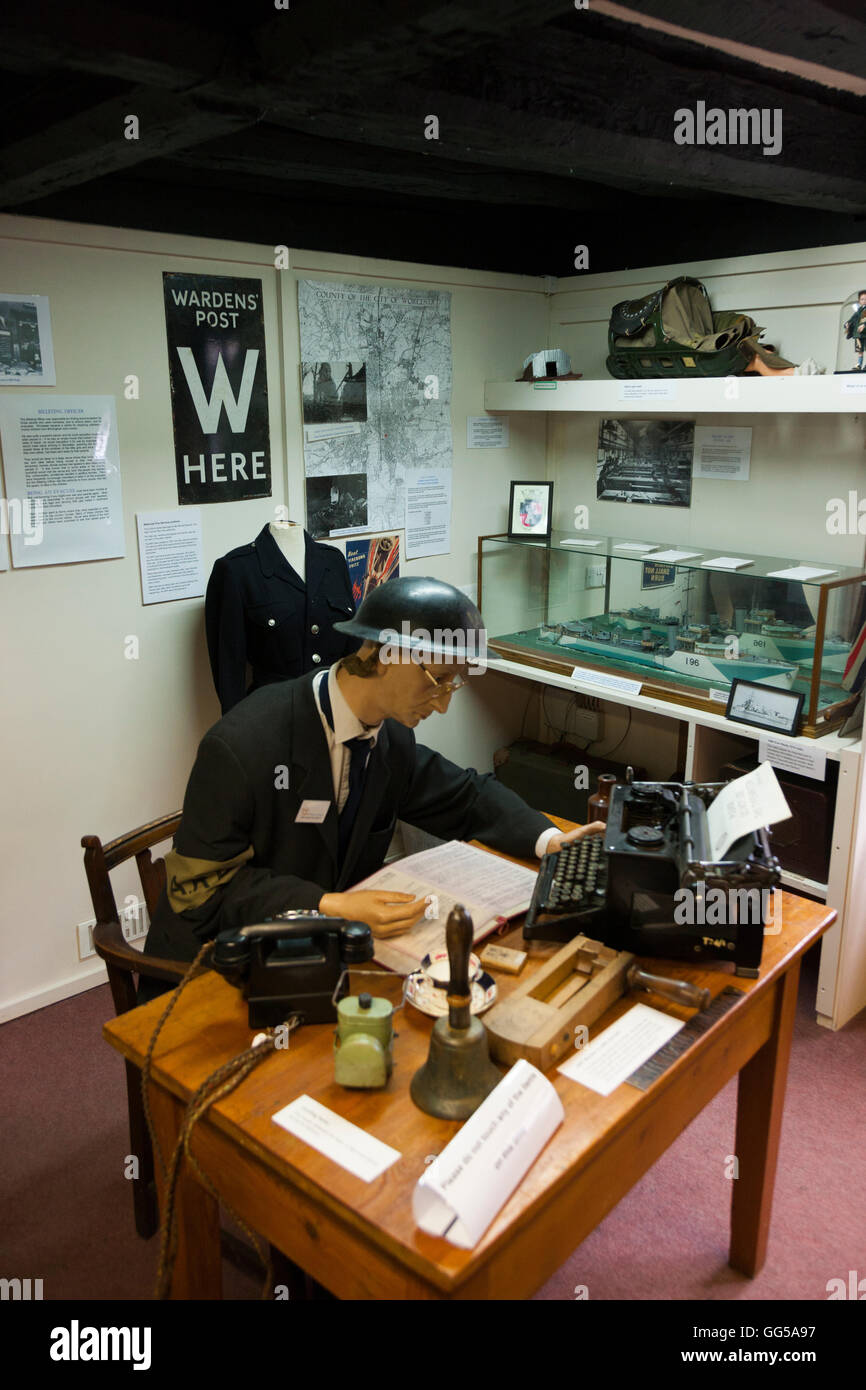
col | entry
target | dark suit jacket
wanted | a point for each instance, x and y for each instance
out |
(259, 610)
(237, 808)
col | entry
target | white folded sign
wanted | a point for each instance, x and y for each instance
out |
(461, 1192)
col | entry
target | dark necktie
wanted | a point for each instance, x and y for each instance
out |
(359, 749)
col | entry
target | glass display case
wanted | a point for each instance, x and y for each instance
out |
(684, 621)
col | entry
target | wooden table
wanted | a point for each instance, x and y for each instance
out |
(359, 1239)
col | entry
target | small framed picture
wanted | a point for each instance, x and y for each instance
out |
(530, 511)
(765, 706)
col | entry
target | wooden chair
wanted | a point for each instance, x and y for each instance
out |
(124, 962)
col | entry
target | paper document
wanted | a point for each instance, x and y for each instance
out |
(576, 540)
(473, 1177)
(609, 1059)
(745, 805)
(488, 886)
(726, 562)
(338, 1139)
(634, 545)
(801, 572)
(673, 555)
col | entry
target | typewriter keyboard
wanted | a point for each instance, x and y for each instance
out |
(573, 878)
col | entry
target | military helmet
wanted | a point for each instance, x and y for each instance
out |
(423, 616)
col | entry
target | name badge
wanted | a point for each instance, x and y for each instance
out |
(312, 812)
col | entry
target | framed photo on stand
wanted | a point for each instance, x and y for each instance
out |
(765, 706)
(530, 511)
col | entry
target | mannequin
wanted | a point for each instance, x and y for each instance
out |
(289, 536)
(271, 605)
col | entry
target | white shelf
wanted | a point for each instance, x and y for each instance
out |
(833, 744)
(827, 395)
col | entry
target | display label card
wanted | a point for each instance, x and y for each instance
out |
(853, 388)
(801, 572)
(795, 757)
(674, 555)
(472, 1179)
(338, 1139)
(723, 454)
(487, 432)
(170, 555)
(610, 1059)
(620, 683)
(647, 390)
(312, 812)
(576, 540)
(726, 562)
(635, 545)
(720, 696)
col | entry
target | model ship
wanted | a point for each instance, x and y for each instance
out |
(706, 652)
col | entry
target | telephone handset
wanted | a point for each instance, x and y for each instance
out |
(292, 964)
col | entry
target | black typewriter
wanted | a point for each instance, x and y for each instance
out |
(646, 884)
(572, 880)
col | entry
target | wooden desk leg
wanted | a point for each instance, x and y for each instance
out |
(197, 1271)
(760, 1100)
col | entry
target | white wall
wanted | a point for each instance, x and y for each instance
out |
(92, 742)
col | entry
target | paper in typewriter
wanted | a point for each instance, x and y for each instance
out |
(745, 805)
(487, 886)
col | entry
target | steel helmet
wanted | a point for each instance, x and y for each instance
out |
(421, 615)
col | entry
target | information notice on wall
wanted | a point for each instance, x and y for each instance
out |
(722, 453)
(62, 466)
(170, 555)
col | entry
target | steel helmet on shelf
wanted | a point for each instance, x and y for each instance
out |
(423, 615)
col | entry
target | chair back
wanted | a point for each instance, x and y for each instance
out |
(108, 939)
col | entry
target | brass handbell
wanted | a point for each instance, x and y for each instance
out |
(458, 1073)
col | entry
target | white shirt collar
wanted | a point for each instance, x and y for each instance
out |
(346, 723)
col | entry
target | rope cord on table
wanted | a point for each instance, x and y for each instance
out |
(195, 969)
(220, 1083)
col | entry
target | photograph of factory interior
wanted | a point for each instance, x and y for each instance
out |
(433, 591)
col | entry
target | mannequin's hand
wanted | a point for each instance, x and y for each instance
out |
(596, 827)
(385, 913)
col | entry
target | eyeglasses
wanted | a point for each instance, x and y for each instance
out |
(444, 687)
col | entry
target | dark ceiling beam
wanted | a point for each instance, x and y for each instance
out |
(290, 156)
(112, 40)
(93, 144)
(592, 108)
(805, 31)
(379, 39)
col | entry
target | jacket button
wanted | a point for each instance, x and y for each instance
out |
(315, 629)
(316, 658)
(272, 622)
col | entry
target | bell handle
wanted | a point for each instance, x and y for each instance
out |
(458, 940)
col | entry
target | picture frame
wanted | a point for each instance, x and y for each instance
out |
(765, 706)
(530, 511)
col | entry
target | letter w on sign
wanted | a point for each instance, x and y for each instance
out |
(209, 410)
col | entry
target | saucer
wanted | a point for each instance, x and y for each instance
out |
(431, 998)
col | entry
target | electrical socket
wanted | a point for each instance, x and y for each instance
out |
(585, 723)
(84, 938)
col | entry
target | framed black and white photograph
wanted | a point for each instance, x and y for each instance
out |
(530, 511)
(765, 706)
(647, 461)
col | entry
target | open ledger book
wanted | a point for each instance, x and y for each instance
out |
(490, 888)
